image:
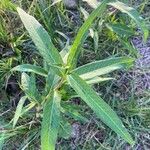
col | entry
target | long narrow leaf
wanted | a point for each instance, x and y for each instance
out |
(41, 38)
(99, 106)
(30, 68)
(101, 67)
(29, 87)
(75, 49)
(19, 110)
(133, 14)
(51, 122)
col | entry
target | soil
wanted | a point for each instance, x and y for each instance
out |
(142, 65)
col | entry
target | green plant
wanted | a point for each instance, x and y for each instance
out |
(4, 5)
(61, 74)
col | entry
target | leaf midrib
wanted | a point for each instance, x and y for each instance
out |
(46, 47)
(101, 109)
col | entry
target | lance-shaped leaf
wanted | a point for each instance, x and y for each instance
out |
(75, 49)
(99, 106)
(18, 111)
(29, 87)
(40, 38)
(133, 14)
(120, 29)
(101, 67)
(30, 68)
(51, 122)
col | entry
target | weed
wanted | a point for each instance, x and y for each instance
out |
(63, 81)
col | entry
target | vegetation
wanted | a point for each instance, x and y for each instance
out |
(57, 75)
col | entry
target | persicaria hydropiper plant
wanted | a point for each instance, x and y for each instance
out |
(61, 74)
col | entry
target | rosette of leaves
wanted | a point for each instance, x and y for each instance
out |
(62, 74)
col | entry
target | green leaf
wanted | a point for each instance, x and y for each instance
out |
(133, 14)
(29, 87)
(99, 106)
(64, 53)
(40, 38)
(120, 29)
(51, 81)
(18, 112)
(97, 80)
(30, 68)
(93, 34)
(81, 35)
(101, 67)
(51, 122)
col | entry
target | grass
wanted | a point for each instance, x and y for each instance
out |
(133, 108)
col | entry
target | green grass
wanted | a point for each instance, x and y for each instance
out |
(133, 109)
